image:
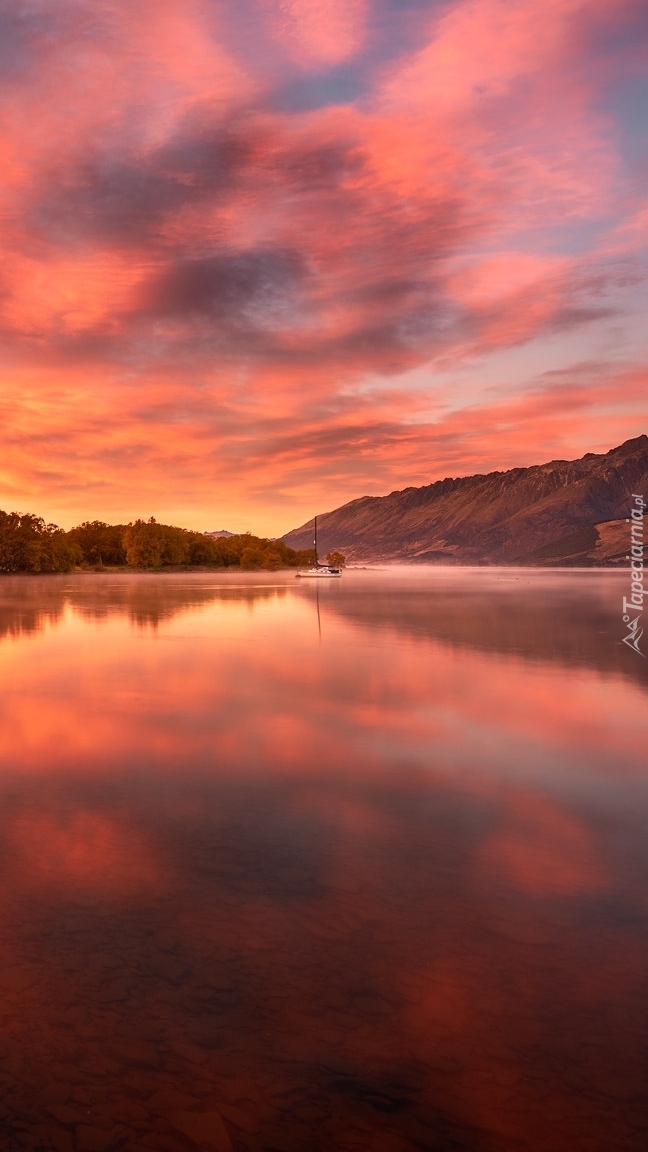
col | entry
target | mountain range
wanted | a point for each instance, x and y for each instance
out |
(566, 512)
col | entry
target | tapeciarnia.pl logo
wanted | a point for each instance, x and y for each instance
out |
(635, 520)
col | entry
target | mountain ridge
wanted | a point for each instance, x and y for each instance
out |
(545, 514)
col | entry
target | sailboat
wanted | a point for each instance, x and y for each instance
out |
(319, 569)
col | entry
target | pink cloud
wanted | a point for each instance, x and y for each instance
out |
(478, 49)
(210, 284)
(318, 32)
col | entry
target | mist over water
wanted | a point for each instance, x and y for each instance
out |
(292, 866)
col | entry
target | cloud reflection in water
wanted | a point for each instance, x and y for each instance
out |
(385, 891)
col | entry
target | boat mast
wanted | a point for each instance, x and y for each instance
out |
(316, 558)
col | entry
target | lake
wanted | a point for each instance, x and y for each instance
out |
(299, 866)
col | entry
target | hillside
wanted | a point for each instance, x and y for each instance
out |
(564, 512)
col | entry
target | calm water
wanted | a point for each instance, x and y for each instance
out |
(294, 867)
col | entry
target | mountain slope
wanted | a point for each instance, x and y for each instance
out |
(553, 513)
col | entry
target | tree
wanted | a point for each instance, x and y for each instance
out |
(336, 559)
(143, 545)
(28, 544)
(175, 545)
(99, 543)
(151, 545)
(252, 557)
(202, 550)
(271, 558)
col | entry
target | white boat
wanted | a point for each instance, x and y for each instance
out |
(319, 570)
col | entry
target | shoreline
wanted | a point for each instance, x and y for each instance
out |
(375, 566)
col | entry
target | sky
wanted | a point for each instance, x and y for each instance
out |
(262, 258)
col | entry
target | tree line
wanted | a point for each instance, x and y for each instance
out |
(28, 544)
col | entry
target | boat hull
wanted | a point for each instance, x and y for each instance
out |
(317, 574)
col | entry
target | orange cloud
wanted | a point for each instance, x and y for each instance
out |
(230, 239)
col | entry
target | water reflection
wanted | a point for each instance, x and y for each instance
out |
(383, 892)
(30, 604)
(570, 617)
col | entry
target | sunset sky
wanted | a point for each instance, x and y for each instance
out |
(260, 258)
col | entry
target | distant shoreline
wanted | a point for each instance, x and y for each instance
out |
(377, 566)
